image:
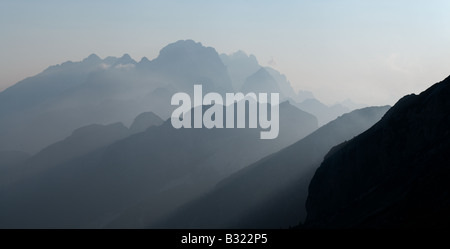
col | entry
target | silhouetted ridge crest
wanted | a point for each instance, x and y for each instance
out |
(395, 174)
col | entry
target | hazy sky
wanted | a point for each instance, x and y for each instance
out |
(370, 51)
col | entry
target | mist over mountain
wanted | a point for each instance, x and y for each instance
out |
(185, 63)
(46, 108)
(145, 120)
(11, 158)
(81, 142)
(323, 112)
(245, 71)
(84, 145)
(240, 66)
(261, 81)
(159, 169)
(249, 76)
(285, 87)
(394, 175)
(271, 193)
(352, 105)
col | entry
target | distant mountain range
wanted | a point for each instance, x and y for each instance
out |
(48, 107)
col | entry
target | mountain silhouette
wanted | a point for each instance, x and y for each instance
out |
(124, 60)
(185, 63)
(249, 76)
(204, 158)
(271, 193)
(285, 87)
(352, 105)
(144, 121)
(240, 66)
(81, 142)
(48, 107)
(394, 175)
(159, 169)
(261, 82)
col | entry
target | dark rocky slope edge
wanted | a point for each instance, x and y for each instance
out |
(395, 175)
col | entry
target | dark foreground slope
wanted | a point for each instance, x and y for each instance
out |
(396, 174)
(271, 193)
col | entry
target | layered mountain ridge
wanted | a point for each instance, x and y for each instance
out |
(45, 108)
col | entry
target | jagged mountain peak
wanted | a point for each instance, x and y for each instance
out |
(92, 58)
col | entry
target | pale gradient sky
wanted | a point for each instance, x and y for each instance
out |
(370, 51)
